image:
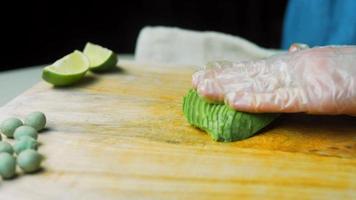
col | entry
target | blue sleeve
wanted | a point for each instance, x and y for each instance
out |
(320, 22)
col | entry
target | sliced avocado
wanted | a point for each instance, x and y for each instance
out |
(220, 121)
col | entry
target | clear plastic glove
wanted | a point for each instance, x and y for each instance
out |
(319, 80)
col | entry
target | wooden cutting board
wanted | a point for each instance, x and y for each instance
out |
(122, 135)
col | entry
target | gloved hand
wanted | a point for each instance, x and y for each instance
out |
(319, 80)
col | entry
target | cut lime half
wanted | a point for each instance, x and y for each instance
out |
(100, 58)
(67, 70)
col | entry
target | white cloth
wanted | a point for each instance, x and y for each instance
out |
(178, 46)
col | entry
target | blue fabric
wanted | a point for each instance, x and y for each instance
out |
(320, 22)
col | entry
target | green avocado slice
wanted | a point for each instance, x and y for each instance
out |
(220, 121)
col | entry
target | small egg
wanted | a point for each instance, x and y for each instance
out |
(25, 142)
(9, 125)
(7, 165)
(29, 160)
(25, 130)
(6, 147)
(35, 119)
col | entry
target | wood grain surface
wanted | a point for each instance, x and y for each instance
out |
(122, 135)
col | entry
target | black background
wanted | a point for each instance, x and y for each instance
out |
(39, 32)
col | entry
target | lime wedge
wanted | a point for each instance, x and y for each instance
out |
(67, 70)
(100, 58)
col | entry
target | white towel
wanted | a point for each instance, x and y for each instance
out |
(169, 45)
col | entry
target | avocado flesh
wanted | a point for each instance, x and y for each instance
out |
(220, 121)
